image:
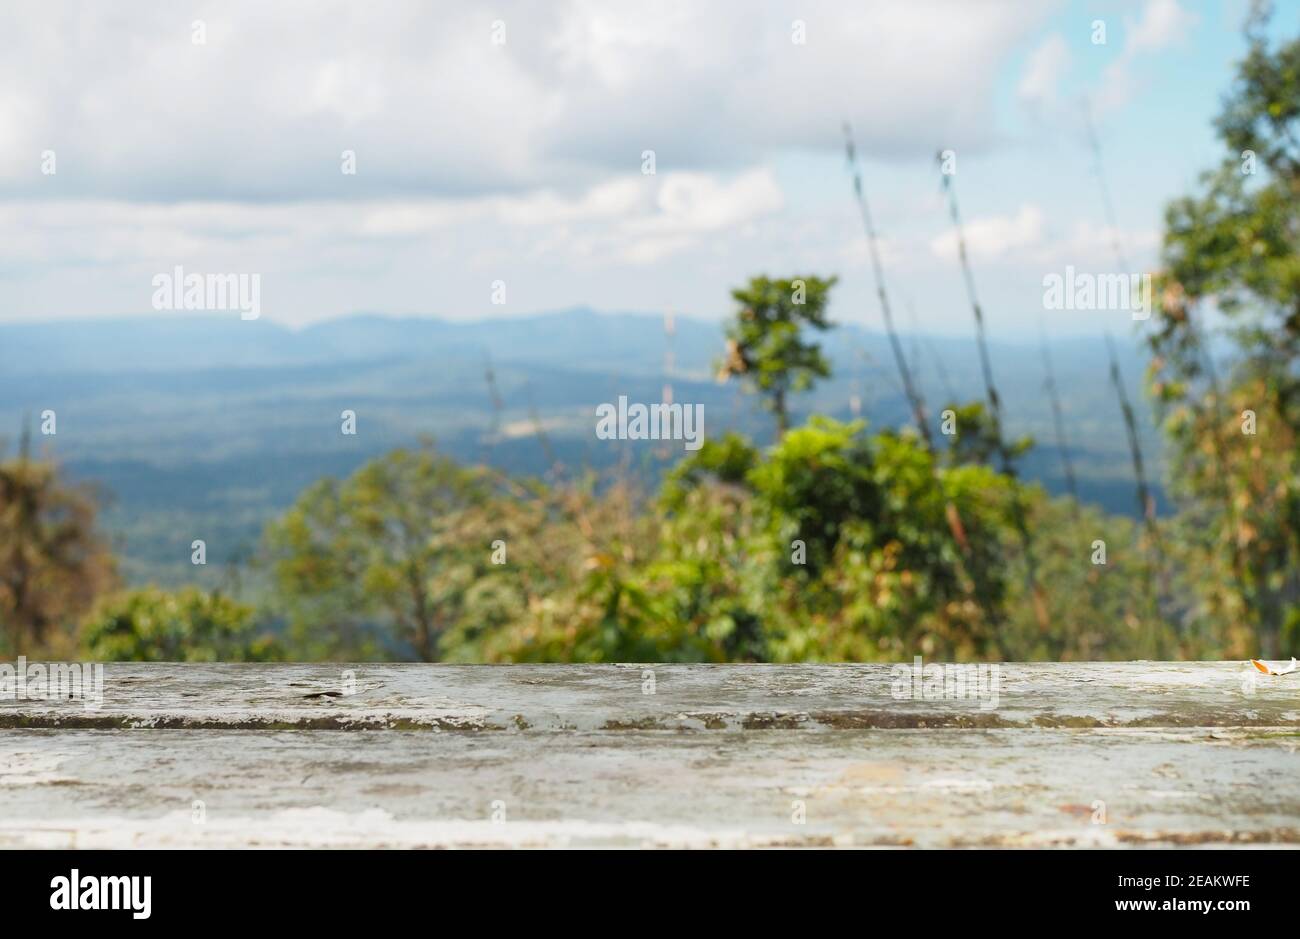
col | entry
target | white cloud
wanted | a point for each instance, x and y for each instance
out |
(1163, 23)
(1043, 71)
(994, 237)
(117, 246)
(895, 256)
(431, 107)
(523, 162)
(1027, 241)
(696, 202)
(1092, 247)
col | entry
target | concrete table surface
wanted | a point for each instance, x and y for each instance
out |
(1126, 754)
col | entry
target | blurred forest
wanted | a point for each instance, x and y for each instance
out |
(835, 542)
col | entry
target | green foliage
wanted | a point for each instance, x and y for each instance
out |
(53, 562)
(717, 569)
(1234, 249)
(831, 545)
(190, 625)
(1094, 611)
(765, 344)
(818, 479)
(591, 602)
(975, 437)
(400, 545)
(902, 554)
(728, 459)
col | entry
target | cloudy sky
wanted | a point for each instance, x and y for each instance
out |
(521, 161)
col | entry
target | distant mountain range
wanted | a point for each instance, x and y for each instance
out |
(579, 337)
(214, 423)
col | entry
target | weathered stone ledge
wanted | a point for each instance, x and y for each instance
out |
(473, 698)
(1134, 754)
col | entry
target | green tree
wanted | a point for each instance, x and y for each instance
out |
(886, 571)
(1232, 252)
(975, 437)
(1091, 613)
(383, 563)
(765, 344)
(833, 545)
(53, 561)
(190, 625)
(593, 601)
